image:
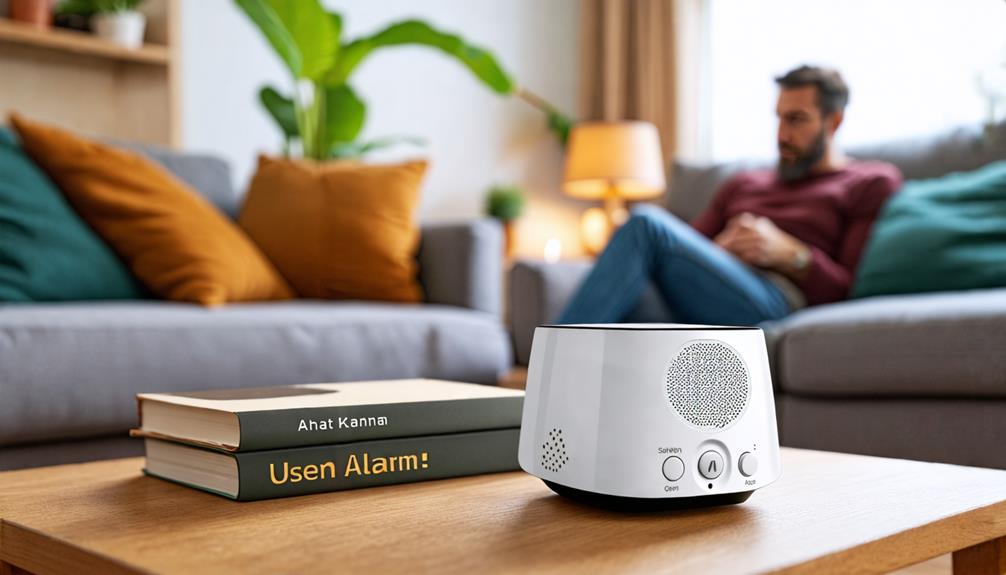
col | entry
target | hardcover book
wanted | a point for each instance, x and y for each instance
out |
(257, 475)
(239, 420)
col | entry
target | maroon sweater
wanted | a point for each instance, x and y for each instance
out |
(831, 212)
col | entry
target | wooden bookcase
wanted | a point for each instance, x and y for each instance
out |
(81, 82)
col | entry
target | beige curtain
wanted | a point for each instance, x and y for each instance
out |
(629, 64)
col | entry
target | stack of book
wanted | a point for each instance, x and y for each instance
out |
(260, 443)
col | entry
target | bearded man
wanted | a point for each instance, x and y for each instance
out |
(771, 241)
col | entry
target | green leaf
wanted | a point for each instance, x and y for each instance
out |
(275, 32)
(480, 62)
(561, 124)
(336, 19)
(314, 32)
(281, 109)
(348, 150)
(75, 7)
(345, 113)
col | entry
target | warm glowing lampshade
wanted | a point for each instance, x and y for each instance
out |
(614, 160)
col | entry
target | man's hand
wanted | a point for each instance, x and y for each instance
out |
(757, 241)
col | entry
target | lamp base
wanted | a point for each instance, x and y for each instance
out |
(614, 206)
(597, 225)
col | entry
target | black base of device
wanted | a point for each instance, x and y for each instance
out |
(637, 504)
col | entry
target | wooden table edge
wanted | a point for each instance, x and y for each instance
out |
(976, 537)
(970, 535)
(26, 550)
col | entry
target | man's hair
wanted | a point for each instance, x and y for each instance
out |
(832, 91)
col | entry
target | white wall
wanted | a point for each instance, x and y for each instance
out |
(475, 138)
(911, 65)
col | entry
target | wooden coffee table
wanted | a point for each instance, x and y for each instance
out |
(829, 513)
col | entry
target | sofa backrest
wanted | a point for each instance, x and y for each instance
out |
(207, 174)
(692, 185)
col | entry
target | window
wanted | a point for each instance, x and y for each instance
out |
(913, 66)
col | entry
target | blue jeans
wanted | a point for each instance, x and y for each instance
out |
(699, 281)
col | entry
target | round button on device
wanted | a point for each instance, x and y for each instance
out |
(711, 464)
(748, 464)
(674, 468)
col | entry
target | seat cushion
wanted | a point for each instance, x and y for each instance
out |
(928, 345)
(72, 370)
(949, 430)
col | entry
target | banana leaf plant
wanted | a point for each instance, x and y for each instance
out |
(323, 113)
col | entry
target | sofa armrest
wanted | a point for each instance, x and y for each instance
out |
(461, 264)
(538, 293)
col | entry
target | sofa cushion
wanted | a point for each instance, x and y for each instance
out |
(928, 345)
(47, 253)
(338, 230)
(940, 234)
(72, 370)
(177, 244)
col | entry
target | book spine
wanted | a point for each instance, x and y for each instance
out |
(302, 471)
(283, 428)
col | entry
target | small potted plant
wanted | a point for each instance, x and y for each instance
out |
(117, 21)
(506, 204)
(120, 22)
(37, 13)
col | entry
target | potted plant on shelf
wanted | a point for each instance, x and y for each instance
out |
(117, 21)
(506, 204)
(37, 13)
(322, 115)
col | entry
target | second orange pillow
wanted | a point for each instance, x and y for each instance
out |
(338, 230)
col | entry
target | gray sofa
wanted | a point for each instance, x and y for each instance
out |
(918, 376)
(69, 371)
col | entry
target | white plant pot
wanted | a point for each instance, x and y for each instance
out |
(122, 28)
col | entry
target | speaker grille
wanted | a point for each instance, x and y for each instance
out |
(553, 451)
(708, 384)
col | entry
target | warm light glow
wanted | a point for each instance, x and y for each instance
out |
(553, 250)
(614, 159)
(595, 229)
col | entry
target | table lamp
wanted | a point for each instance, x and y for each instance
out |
(614, 162)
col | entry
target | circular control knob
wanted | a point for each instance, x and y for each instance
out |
(674, 468)
(748, 464)
(711, 464)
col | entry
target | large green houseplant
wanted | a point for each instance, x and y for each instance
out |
(322, 112)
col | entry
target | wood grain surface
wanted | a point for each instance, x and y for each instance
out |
(79, 43)
(829, 513)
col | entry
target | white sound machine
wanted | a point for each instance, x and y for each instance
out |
(650, 416)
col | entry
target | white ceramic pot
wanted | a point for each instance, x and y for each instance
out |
(122, 28)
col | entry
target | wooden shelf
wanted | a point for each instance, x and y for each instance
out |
(80, 43)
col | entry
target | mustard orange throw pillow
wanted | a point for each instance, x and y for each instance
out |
(338, 230)
(174, 241)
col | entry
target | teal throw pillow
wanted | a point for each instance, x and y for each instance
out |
(47, 253)
(942, 234)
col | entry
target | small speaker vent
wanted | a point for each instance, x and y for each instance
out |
(553, 451)
(708, 384)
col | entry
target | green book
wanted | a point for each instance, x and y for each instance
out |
(275, 473)
(254, 419)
